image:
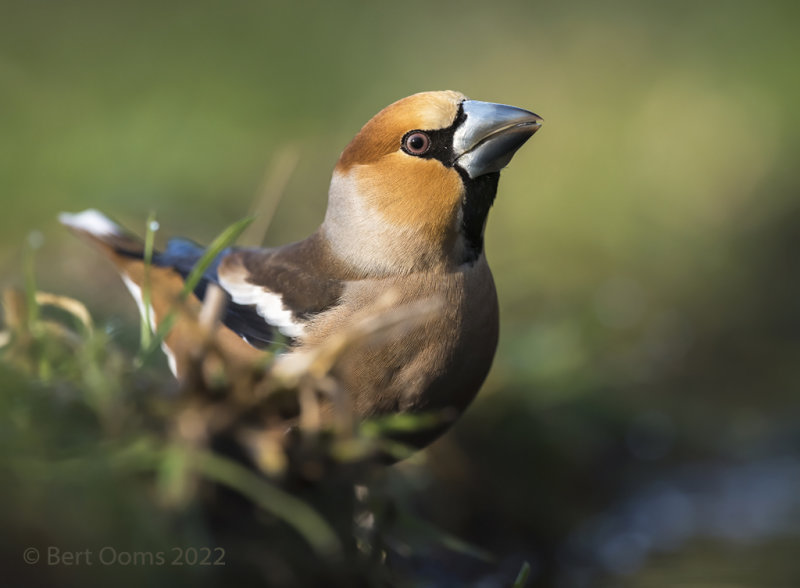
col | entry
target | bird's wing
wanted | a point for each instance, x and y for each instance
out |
(285, 286)
(270, 291)
(181, 255)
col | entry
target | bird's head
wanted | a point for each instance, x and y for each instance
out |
(414, 187)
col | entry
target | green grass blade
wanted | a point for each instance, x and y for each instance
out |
(221, 242)
(34, 243)
(420, 532)
(304, 519)
(146, 454)
(146, 323)
(225, 239)
(522, 577)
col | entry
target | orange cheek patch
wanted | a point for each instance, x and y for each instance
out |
(413, 192)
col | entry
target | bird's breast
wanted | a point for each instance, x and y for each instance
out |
(432, 344)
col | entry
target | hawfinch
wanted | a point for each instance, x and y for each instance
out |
(407, 208)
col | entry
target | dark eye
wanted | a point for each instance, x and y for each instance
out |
(417, 143)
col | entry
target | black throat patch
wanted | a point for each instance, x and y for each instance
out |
(478, 199)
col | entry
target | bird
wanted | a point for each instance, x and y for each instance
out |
(406, 213)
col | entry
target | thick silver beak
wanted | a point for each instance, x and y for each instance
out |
(491, 134)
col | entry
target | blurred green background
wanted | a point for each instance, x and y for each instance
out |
(640, 424)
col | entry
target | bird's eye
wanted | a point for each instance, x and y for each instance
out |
(417, 143)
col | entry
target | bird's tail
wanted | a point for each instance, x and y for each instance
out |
(100, 230)
(164, 281)
(126, 251)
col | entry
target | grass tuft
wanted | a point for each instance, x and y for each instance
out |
(240, 456)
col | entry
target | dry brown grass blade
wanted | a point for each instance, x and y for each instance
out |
(70, 305)
(212, 310)
(15, 306)
(319, 361)
(269, 195)
(15, 309)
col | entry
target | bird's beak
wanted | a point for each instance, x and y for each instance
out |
(491, 134)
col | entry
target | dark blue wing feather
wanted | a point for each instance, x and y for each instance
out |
(182, 255)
